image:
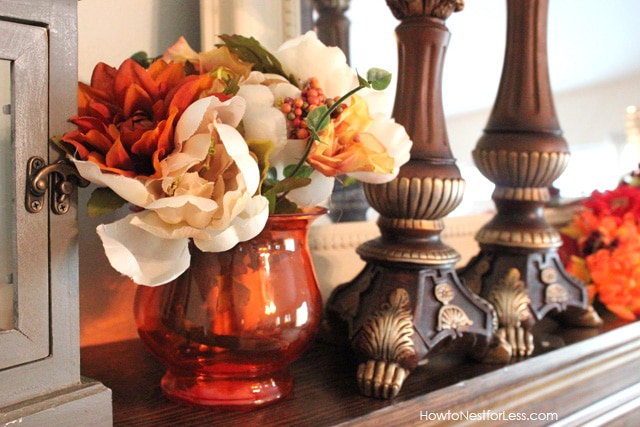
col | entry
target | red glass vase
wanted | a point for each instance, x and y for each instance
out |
(230, 326)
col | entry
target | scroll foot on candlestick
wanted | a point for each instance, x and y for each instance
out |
(381, 379)
(511, 302)
(520, 339)
(386, 342)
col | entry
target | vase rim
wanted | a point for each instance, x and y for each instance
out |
(303, 212)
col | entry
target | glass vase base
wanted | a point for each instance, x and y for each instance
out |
(224, 393)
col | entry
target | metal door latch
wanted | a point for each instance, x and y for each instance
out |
(63, 183)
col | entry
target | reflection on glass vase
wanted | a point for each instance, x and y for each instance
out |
(230, 326)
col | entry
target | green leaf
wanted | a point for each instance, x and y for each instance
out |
(261, 149)
(287, 185)
(233, 85)
(272, 174)
(250, 50)
(103, 200)
(379, 78)
(349, 180)
(304, 171)
(318, 118)
(143, 59)
(275, 192)
(363, 82)
(284, 205)
(271, 198)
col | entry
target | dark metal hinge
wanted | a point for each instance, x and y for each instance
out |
(63, 183)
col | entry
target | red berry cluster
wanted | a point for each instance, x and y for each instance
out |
(296, 109)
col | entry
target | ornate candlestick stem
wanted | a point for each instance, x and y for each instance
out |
(522, 151)
(408, 300)
(332, 24)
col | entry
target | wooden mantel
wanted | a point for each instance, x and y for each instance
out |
(582, 375)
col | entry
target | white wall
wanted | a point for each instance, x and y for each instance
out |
(589, 115)
(110, 31)
(593, 123)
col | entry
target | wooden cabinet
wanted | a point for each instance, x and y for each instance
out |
(40, 382)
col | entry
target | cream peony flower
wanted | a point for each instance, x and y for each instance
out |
(206, 193)
(306, 57)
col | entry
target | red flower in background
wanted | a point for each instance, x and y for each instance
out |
(602, 248)
(615, 203)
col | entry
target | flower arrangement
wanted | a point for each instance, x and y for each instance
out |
(602, 247)
(205, 145)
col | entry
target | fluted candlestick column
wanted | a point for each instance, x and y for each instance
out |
(522, 151)
(408, 301)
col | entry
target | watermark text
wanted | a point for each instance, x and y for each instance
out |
(487, 415)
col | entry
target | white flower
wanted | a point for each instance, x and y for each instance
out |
(261, 119)
(307, 57)
(205, 193)
(304, 57)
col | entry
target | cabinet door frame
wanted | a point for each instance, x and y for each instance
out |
(26, 47)
(47, 247)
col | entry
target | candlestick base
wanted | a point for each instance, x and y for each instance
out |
(396, 314)
(525, 286)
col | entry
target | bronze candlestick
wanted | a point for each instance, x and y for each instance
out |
(408, 301)
(522, 151)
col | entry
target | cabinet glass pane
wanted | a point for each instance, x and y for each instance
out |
(7, 198)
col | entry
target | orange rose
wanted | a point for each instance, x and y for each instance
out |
(346, 146)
